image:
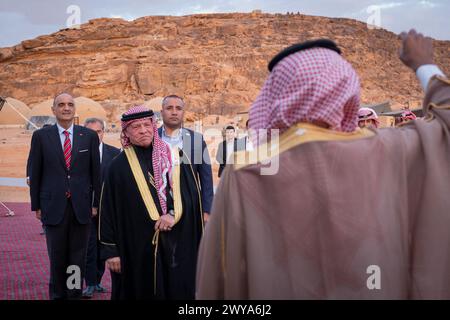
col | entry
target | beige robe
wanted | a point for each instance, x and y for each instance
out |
(364, 215)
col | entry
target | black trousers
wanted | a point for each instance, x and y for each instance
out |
(95, 267)
(67, 246)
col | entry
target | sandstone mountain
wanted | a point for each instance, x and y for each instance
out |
(218, 62)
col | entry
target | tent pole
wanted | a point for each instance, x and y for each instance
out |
(20, 114)
(10, 212)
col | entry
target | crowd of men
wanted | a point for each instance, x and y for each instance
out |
(345, 195)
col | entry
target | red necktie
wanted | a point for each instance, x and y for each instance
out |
(67, 150)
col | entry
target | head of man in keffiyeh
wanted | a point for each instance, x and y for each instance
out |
(312, 84)
(139, 129)
(367, 117)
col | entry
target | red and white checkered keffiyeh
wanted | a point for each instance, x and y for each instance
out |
(161, 156)
(316, 84)
(408, 115)
(368, 114)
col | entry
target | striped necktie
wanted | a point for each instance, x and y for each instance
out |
(67, 149)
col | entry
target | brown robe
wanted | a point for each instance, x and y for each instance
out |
(339, 204)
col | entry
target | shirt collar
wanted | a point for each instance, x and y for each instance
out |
(178, 135)
(61, 129)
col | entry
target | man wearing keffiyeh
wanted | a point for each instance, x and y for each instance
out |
(150, 215)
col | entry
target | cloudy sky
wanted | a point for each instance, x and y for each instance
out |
(27, 19)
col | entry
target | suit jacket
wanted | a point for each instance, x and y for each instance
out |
(50, 179)
(28, 165)
(222, 155)
(195, 148)
(108, 154)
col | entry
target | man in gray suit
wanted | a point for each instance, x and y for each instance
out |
(95, 266)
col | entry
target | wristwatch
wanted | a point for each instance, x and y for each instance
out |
(172, 213)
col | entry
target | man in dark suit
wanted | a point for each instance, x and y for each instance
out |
(28, 174)
(64, 177)
(229, 145)
(192, 144)
(95, 267)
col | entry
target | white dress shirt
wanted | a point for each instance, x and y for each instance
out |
(174, 141)
(230, 150)
(62, 136)
(100, 147)
(248, 144)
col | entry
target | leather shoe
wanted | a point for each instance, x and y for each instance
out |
(88, 292)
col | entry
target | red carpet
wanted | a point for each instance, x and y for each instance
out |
(24, 265)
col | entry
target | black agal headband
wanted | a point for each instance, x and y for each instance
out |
(320, 43)
(134, 116)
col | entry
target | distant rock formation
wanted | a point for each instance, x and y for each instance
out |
(218, 62)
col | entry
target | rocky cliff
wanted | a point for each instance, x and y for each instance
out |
(218, 62)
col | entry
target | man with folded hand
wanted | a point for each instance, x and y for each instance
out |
(150, 215)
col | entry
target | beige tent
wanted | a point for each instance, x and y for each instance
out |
(42, 109)
(41, 114)
(9, 116)
(88, 108)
